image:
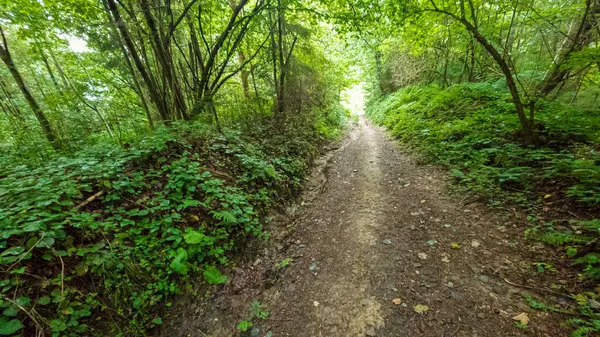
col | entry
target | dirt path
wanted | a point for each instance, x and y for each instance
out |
(382, 229)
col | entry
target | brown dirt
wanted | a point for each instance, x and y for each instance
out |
(376, 226)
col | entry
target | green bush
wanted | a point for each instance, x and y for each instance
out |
(108, 234)
(472, 128)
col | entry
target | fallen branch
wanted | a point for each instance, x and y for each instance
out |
(88, 200)
(38, 326)
(535, 288)
(62, 273)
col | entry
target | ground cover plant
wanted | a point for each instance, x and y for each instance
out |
(470, 129)
(111, 233)
(141, 144)
(142, 141)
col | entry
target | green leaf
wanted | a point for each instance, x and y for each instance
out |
(571, 251)
(271, 172)
(45, 242)
(32, 227)
(157, 321)
(10, 327)
(58, 325)
(244, 325)
(193, 237)
(286, 262)
(225, 216)
(23, 300)
(213, 276)
(13, 251)
(44, 300)
(190, 203)
(32, 242)
(19, 271)
(179, 264)
(10, 311)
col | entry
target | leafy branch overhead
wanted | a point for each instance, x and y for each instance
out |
(143, 141)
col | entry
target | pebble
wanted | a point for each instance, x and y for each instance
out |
(386, 242)
(370, 332)
(483, 278)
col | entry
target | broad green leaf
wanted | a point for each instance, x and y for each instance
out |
(193, 237)
(44, 300)
(18, 271)
(23, 300)
(244, 325)
(179, 264)
(10, 311)
(45, 242)
(213, 276)
(10, 327)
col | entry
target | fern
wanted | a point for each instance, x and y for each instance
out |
(592, 225)
(560, 238)
(225, 217)
(189, 203)
(584, 327)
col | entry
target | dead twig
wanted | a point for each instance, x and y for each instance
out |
(62, 274)
(24, 255)
(39, 327)
(88, 200)
(535, 288)
(282, 320)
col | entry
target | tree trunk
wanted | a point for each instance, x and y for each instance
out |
(527, 126)
(244, 75)
(136, 84)
(162, 52)
(39, 114)
(49, 69)
(155, 97)
(379, 70)
(575, 40)
(280, 28)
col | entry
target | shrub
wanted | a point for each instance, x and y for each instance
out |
(108, 234)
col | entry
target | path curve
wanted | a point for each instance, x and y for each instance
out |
(379, 248)
(383, 230)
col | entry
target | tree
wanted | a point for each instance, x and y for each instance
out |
(33, 104)
(574, 41)
(281, 56)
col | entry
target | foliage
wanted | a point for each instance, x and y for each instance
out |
(244, 325)
(113, 232)
(141, 142)
(470, 129)
(257, 310)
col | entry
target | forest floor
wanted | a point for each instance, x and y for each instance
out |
(378, 247)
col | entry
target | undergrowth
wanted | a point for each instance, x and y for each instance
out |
(471, 130)
(94, 244)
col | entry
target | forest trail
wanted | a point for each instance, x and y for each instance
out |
(381, 228)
